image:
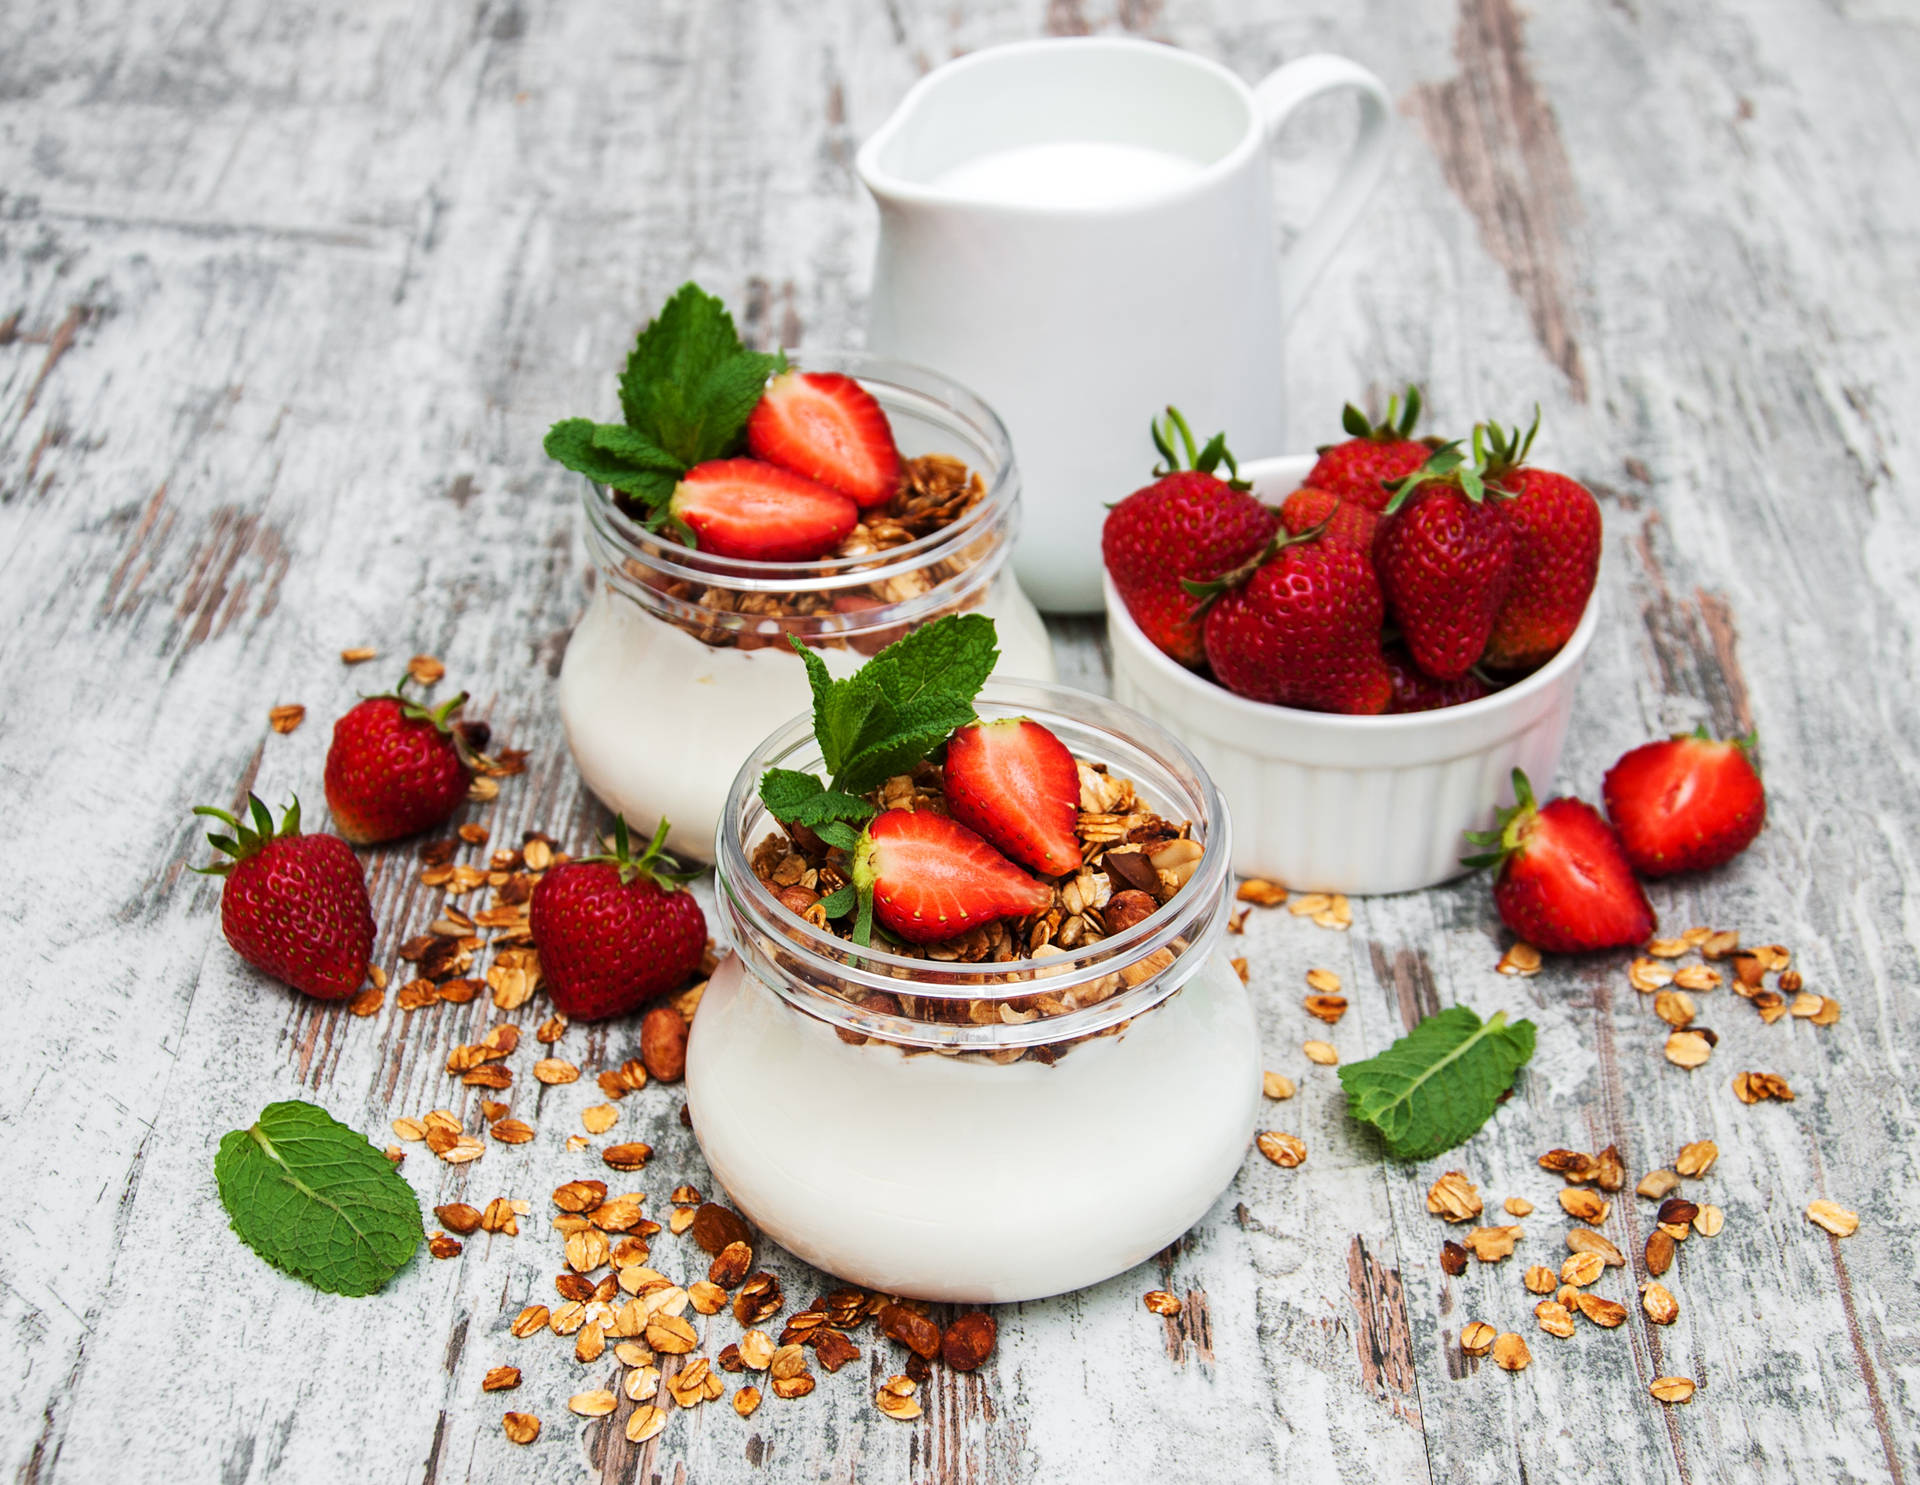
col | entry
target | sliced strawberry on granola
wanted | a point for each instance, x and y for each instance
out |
(759, 512)
(1016, 784)
(932, 878)
(829, 428)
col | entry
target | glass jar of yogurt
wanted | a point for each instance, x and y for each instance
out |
(990, 1131)
(680, 665)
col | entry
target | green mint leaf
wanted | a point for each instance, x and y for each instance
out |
(574, 443)
(892, 741)
(1440, 1082)
(795, 798)
(689, 384)
(840, 708)
(952, 656)
(633, 447)
(838, 833)
(837, 903)
(314, 1198)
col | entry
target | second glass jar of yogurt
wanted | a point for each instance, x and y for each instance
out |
(681, 666)
(951, 1127)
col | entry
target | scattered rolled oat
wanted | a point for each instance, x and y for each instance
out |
(746, 1400)
(1284, 1150)
(645, 1423)
(284, 719)
(511, 1131)
(1581, 1269)
(1601, 1311)
(1309, 904)
(1491, 1244)
(1510, 1352)
(1709, 1220)
(1676, 1008)
(1161, 1302)
(554, 1070)
(425, 670)
(627, 1157)
(1756, 1087)
(596, 1404)
(1696, 1158)
(1540, 1279)
(367, 1002)
(1518, 1206)
(1261, 893)
(1688, 1049)
(895, 1398)
(1521, 958)
(1322, 1053)
(442, 1246)
(599, 1118)
(530, 1321)
(1697, 977)
(1275, 1086)
(1328, 1008)
(1648, 974)
(1454, 1197)
(500, 1379)
(1835, 1218)
(520, 1428)
(1476, 1338)
(1672, 1389)
(1668, 948)
(1241, 968)
(1658, 1301)
(1554, 1318)
(1323, 980)
(1585, 1205)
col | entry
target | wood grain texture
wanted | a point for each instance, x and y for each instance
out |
(288, 293)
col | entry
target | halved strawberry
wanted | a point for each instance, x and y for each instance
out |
(1565, 884)
(1685, 803)
(932, 878)
(1016, 783)
(829, 428)
(757, 511)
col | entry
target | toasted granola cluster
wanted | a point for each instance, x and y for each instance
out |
(1133, 861)
(938, 491)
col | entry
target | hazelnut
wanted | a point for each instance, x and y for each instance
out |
(968, 1342)
(798, 899)
(1124, 909)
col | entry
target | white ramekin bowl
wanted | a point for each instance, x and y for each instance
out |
(1332, 803)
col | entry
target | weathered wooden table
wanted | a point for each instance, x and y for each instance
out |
(289, 292)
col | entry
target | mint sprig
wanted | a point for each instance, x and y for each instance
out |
(1440, 1082)
(878, 722)
(315, 1198)
(687, 392)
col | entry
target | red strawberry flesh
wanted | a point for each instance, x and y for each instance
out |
(1565, 883)
(1016, 784)
(933, 878)
(830, 429)
(1685, 804)
(758, 512)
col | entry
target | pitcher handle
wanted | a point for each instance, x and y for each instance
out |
(1284, 90)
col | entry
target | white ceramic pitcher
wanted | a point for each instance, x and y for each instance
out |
(1120, 261)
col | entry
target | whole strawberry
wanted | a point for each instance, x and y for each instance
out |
(1565, 883)
(1556, 553)
(1685, 803)
(1375, 454)
(1444, 553)
(614, 931)
(395, 767)
(1189, 525)
(1416, 691)
(293, 906)
(1302, 629)
(1348, 523)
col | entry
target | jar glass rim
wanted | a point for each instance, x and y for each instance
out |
(814, 968)
(901, 387)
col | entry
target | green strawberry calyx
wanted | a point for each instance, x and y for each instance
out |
(249, 836)
(1501, 451)
(1398, 424)
(1448, 465)
(1239, 576)
(469, 738)
(1174, 439)
(653, 863)
(1510, 827)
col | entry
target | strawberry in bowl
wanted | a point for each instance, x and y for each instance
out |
(1377, 669)
(744, 500)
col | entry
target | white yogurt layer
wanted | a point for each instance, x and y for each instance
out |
(960, 1179)
(660, 723)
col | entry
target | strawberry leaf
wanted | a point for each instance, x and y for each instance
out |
(1440, 1082)
(313, 1197)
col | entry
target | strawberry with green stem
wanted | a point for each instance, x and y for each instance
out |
(1299, 625)
(1565, 884)
(1373, 454)
(1444, 555)
(397, 766)
(293, 906)
(616, 930)
(1189, 525)
(1556, 551)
